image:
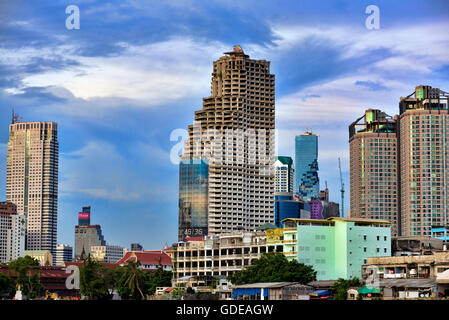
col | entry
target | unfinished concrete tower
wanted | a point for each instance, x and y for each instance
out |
(234, 135)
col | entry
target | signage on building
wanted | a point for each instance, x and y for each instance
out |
(194, 231)
(83, 215)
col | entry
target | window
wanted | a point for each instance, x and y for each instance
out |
(364, 237)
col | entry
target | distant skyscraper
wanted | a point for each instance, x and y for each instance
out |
(87, 236)
(32, 180)
(307, 183)
(286, 206)
(193, 198)
(136, 247)
(12, 232)
(424, 161)
(64, 253)
(283, 174)
(235, 132)
(84, 217)
(373, 161)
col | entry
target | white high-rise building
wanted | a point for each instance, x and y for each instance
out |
(283, 174)
(32, 180)
(234, 132)
(12, 233)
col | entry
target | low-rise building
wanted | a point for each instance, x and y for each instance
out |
(335, 247)
(149, 260)
(44, 257)
(410, 276)
(272, 291)
(107, 253)
(219, 256)
(415, 246)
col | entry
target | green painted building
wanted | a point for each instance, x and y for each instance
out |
(335, 247)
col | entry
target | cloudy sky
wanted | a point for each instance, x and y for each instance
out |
(137, 70)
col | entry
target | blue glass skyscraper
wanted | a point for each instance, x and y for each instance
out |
(193, 198)
(307, 183)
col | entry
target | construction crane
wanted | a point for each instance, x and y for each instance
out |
(342, 190)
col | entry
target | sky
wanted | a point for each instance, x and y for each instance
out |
(136, 70)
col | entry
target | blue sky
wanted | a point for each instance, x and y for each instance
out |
(137, 70)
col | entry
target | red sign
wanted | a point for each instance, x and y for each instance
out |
(83, 215)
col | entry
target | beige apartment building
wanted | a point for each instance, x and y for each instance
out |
(399, 166)
(218, 256)
(424, 155)
(234, 131)
(32, 180)
(373, 152)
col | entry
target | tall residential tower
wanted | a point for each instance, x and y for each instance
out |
(399, 166)
(424, 166)
(373, 148)
(32, 180)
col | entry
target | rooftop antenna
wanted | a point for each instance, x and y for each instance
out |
(15, 117)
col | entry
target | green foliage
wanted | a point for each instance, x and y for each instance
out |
(190, 290)
(28, 275)
(274, 267)
(131, 283)
(112, 277)
(92, 281)
(341, 287)
(176, 293)
(159, 278)
(6, 283)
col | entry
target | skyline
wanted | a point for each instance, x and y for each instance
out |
(123, 126)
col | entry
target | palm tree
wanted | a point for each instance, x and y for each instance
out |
(134, 276)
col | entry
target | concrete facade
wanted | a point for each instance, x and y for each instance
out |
(235, 132)
(219, 256)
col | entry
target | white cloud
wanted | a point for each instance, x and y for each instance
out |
(426, 43)
(101, 171)
(152, 74)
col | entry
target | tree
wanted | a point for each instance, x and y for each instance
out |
(92, 281)
(27, 275)
(112, 277)
(159, 278)
(6, 284)
(274, 267)
(341, 287)
(132, 281)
